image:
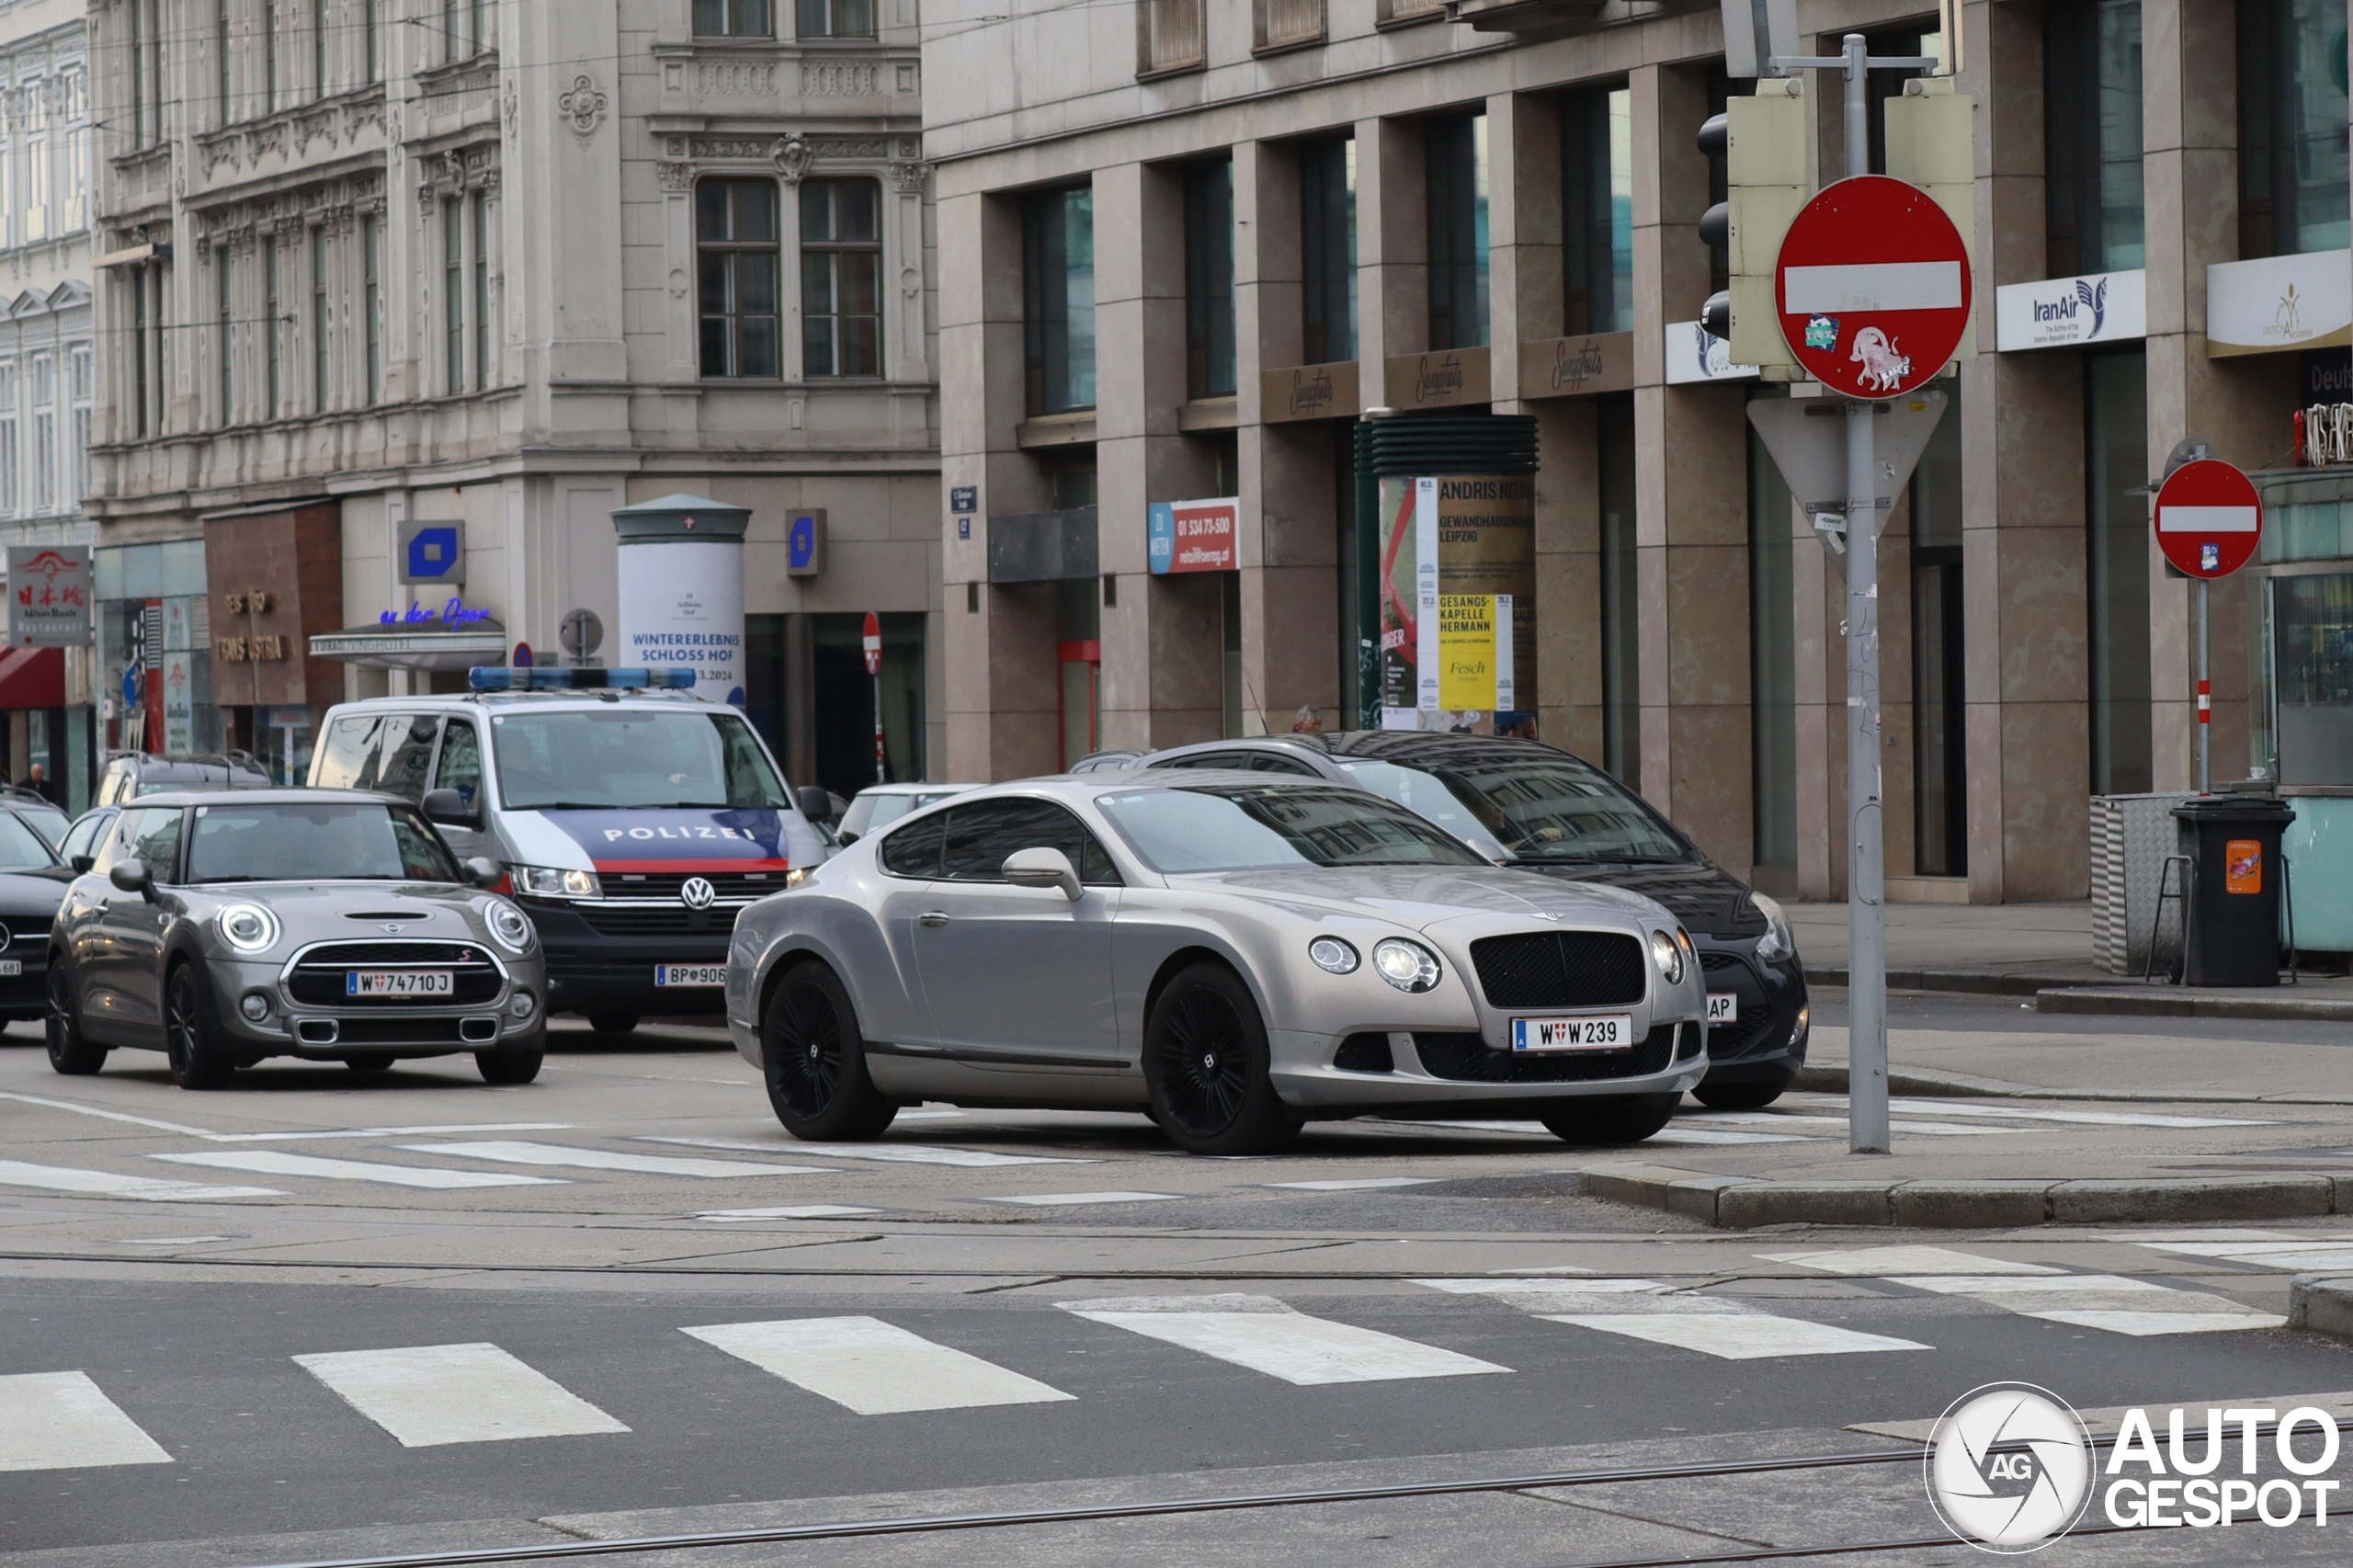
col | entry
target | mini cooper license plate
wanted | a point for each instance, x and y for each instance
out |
(398, 982)
(1572, 1034)
(1723, 1007)
(689, 974)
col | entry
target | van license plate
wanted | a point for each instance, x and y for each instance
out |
(1572, 1034)
(397, 982)
(689, 974)
(1723, 1007)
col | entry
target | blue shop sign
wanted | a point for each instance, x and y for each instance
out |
(448, 618)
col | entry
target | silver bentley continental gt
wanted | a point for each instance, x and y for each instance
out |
(321, 923)
(1231, 954)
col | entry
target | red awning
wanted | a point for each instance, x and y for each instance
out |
(32, 678)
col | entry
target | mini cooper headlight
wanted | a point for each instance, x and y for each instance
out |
(508, 927)
(1668, 955)
(1408, 966)
(550, 881)
(1333, 956)
(248, 928)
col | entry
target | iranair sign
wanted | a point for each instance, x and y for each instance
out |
(2063, 313)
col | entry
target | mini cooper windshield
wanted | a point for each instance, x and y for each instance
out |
(1238, 828)
(620, 758)
(317, 841)
(1538, 811)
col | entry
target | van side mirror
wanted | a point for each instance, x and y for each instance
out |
(1043, 868)
(814, 803)
(133, 876)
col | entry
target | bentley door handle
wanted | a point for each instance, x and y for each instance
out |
(932, 918)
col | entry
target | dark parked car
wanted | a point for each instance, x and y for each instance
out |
(129, 775)
(36, 812)
(1525, 804)
(80, 845)
(32, 884)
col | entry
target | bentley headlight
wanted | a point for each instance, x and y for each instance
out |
(796, 876)
(550, 881)
(248, 928)
(1408, 966)
(1333, 956)
(1778, 943)
(1668, 956)
(508, 927)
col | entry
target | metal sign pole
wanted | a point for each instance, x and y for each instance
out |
(2205, 697)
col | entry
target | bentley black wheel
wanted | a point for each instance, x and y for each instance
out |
(1612, 1119)
(1205, 1066)
(69, 1052)
(197, 1060)
(817, 1061)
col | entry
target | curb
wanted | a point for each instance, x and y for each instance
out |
(2146, 1001)
(2321, 1304)
(1830, 1078)
(1748, 1203)
(1971, 982)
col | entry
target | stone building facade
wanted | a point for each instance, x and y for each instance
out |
(1249, 221)
(510, 264)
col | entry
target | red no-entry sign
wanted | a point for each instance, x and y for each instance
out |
(2209, 518)
(1873, 287)
(871, 636)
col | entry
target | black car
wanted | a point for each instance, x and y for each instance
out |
(1525, 804)
(32, 884)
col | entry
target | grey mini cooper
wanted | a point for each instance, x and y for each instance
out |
(320, 924)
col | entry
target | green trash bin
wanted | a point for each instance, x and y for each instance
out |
(2231, 931)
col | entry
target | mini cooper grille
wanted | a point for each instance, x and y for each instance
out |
(1465, 1058)
(318, 981)
(1561, 969)
(353, 1032)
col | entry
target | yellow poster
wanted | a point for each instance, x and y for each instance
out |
(1466, 651)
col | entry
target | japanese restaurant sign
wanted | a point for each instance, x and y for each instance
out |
(48, 596)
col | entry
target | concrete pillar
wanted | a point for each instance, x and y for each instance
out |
(1392, 248)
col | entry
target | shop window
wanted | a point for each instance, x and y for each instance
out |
(1597, 209)
(1455, 148)
(841, 278)
(2091, 94)
(1058, 305)
(1327, 247)
(2312, 633)
(1772, 658)
(734, 19)
(834, 18)
(1622, 686)
(1208, 278)
(735, 229)
(2294, 175)
(1939, 748)
(2116, 578)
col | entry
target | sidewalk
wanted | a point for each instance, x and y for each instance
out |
(2042, 951)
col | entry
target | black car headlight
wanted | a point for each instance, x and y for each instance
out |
(509, 926)
(1408, 966)
(247, 927)
(1780, 943)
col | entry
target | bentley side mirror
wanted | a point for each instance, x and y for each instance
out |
(485, 872)
(133, 876)
(1043, 868)
(449, 806)
(814, 803)
(82, 863)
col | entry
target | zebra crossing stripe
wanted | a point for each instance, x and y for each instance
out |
(1266, 1335)
(873, 1367)
(63, 1421)
(107, 1184)
(890, 1153)
(520, 1152)
(428, 1395)
(1664, 1314)
(277, 1161)
(2287, 1253)
(2106, 1301)
(1886, 1261)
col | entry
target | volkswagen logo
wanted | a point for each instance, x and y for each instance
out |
(696, 892)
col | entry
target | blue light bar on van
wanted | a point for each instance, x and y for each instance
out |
(504, 678)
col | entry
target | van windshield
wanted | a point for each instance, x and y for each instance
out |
(617, 758)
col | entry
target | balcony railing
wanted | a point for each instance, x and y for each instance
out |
(1170, 36)
(1287, 24)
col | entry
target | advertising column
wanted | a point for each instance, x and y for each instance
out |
(682, 591)
(1458, 601)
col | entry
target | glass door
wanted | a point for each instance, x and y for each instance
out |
(1081, 698)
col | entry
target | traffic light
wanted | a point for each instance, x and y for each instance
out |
(1932, 143)
(1767, 145)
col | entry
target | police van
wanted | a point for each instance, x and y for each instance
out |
(633, 819)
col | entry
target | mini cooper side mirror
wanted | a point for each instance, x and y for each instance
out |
(1043, 868)
(485, 872)
(133, 876)
(814, 803)
(448, 806)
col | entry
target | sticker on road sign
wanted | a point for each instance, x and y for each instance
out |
(1723, 1006)
(1822, 332)
(1572, 1034)
(691, 974)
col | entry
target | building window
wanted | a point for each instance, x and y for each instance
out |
(1058, 298)
(223, 306)
(320, 321)
(734, 19)
(146, 96)
(1622, 684)
(35, 192)
(1208, 278)
(1772, 660)
(1327, 248)
(1388, 11)
(453, 295)
(481, 204)
(43, 368)
(466, 28)
(318, 49)
(220, 61)
(735, 232)
(136, 277)
(2091, 92)
(273, 332)
(1286, 24)
(373, 29)
(77, 455)
(1170, 36)
(1456, 150)
(834, 18)
(371, 303)
(841, 278)
(1597, 209)
(2292, 167)
(11, 492)
(1939, 722)
(2116, 537)
(268, 56)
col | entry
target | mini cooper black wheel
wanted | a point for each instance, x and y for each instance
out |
(198, 1062)
(1205, 1065)
(370, 1062)
(1612, 1119)
(70, 1051)
(817, 1060)
(511, 1063)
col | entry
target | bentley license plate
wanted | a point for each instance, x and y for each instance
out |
(1723, 1006)
(1572, 1034)
(689, 974)
(397, 982)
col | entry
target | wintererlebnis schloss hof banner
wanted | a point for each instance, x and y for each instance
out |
(1458, 600)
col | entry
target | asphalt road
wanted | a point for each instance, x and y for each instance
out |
(645, 1325)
